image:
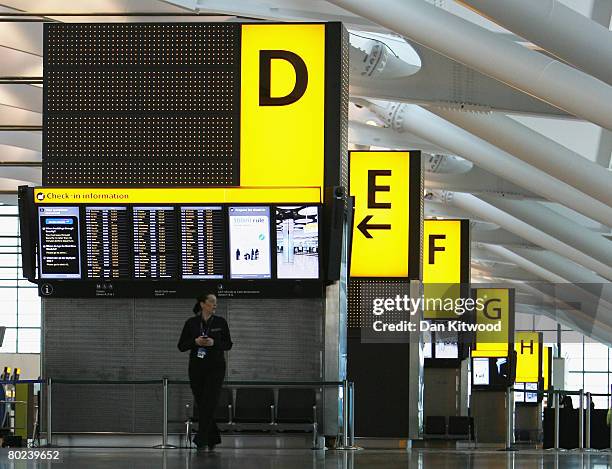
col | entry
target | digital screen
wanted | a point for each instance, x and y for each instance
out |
(519, 394)
(107, 243)
(531, 396)
(249, 235)
(59, 242)
(501, 372)
(446, 345)
(480, 371)
(202, 242)
(297, 242)
(155, 242)
(427, 349)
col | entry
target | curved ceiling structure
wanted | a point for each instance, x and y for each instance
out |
(515, 124)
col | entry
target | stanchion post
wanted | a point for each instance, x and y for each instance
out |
(581, 420)
(557, 416)
(509, 418)
(589, 398)
(49, 431)
(165, 444)
(610, 410)
(352, 414)
(165, 411)
(345, 413)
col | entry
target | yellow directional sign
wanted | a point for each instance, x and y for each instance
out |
(282, 105)
(528, 347)
(498, 313)
(546, 367)
(388, 193)
(446, 262)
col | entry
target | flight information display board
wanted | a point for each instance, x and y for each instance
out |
(144, 250)
(107, 254)
(59, 242)
(202, 242)
(155, 242)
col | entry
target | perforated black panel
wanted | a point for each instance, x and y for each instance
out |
(361, 294)
(141, 104)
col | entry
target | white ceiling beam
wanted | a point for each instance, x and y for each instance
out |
(428, 126)
(556, 28)
(531, 72)
(488, 212)
(534, 149)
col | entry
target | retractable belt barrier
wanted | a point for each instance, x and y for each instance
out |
(584, 415)
(348, 433)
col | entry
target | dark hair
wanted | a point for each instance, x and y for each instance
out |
(201, 298)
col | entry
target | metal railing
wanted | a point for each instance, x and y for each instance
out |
(584, 415)
(348, 433)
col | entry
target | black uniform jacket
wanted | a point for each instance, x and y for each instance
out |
(216, 327)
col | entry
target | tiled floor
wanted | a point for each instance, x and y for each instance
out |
(91, 458)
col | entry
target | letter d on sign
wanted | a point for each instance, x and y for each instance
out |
(265, 79)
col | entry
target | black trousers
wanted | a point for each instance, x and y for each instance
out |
(206, 381)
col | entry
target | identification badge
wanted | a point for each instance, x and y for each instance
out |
(201, 352)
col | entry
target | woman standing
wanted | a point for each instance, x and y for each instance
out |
(206, 336)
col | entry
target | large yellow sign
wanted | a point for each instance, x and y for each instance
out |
(282, 105)
(546, 367)
(528, 356)
(445, 262)
(177, 195)
(497, 312)
(381, 183)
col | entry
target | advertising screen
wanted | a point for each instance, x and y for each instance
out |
(297, 242)
(249, 237)
(480, 371)
(59, 242)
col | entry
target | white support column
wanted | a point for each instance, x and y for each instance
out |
(535, 149)
(488, 212)
(426, 125)
(550, 222)
(531, 72)
(556, 28)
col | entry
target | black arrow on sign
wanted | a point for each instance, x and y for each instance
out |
(364, 227)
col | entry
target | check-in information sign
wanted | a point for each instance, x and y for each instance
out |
(387, 189)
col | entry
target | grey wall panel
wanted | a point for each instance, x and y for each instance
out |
(135, 339)
(275, 339)
(88, 339)
(87, 408)
(157, 327)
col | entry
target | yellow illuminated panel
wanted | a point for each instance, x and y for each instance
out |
(178, 195)
(379, 181)
(527, 347)
(441, 263)
(545, 367)
(282, 144)
(496, 309)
